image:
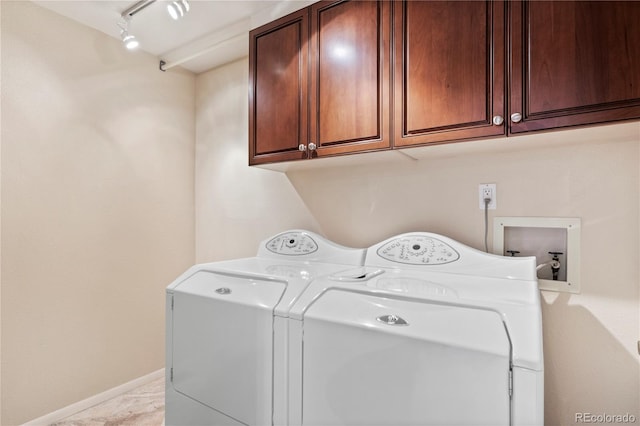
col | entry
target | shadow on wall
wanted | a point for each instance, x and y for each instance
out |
(583, 358)
(364, 204)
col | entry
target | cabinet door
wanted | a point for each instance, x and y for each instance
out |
(349, 97)
(278, 78)
(574, 63)
(449, 70)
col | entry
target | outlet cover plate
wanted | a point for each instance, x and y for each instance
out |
(491, 187)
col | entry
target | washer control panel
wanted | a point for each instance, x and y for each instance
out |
(292, 244)
(418, 250)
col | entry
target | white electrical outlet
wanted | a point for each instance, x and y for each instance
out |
(488, 190)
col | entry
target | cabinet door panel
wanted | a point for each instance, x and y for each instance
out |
(449, 78)
(350, 76)
(580, 62)
(278, 90)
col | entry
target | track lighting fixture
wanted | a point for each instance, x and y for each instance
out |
(129, 40)
(178, 8)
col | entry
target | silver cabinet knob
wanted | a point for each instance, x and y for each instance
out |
(302, 147)
(498, 120)
(516, 117)
(312, 146)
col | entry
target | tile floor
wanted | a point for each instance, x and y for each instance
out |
(143, 406)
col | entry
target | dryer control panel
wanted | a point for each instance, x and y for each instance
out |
(292, 244)
(418, 250)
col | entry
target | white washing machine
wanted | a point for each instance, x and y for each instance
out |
(428, 332)
(226, 334)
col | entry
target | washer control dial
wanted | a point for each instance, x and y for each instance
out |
(418, 250)
(292, 244)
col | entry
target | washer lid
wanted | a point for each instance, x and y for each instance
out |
(473, 328)
(516, 303)
(371, 359)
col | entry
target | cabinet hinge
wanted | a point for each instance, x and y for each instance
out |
(172, 303)
(171, 374)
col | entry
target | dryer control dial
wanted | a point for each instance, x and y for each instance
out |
(292, 244)
(418, 250)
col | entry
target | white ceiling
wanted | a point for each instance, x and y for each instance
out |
(214, 32)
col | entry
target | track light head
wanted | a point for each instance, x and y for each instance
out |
(178, 8)
(129, 40)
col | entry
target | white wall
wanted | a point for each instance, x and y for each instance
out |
(97, 209)
(237, 206)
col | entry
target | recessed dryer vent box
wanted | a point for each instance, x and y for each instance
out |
(537, 236)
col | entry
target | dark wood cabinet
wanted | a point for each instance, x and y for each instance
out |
(568, 63)
(320, 82)
(278, 79)
(350, 77)
(573, 63)
(449, 63)
(327, 81)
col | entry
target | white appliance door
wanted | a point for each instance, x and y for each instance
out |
(371, 360)
(222, 343)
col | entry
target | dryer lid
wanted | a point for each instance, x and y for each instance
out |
(222, 334)
(236, 288)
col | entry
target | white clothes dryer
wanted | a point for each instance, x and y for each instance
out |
(226, 337)
(428, 332)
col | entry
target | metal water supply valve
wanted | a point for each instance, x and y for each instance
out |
(555, 264)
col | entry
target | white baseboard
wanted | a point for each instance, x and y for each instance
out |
(72, 409)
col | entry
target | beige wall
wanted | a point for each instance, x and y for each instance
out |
(98, 205)
(590, 339)
(591, 359)
(237, 206)
(97, 209)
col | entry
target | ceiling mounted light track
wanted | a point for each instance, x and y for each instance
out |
(137, 7)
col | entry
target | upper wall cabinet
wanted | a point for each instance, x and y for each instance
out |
(349, 99)
(319, 82)
(321, 78)
(278, 80)
(449, 77)
(573, 63)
